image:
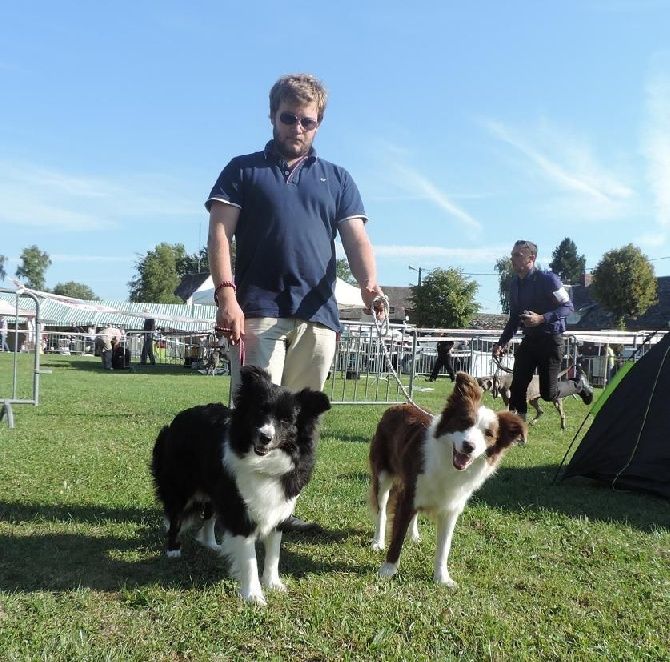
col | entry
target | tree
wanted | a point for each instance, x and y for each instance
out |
(445, 299)
(32, 267)
(198, 263)
(195, 263)
(75, 290)
(624, 283)
(343, 272)
(157, 276)
(3, 272)
(566, 263)
(504, 268)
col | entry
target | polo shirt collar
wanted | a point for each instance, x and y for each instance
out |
(271, 153)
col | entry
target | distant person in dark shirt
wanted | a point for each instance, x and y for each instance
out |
(148, 345)
(444, 360)
(540, 304)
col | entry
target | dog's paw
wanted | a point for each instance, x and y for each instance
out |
(445, 580)
(274, 584)
(378, 545)
(173, 553)
(207, 540)
(387, 570)
(254, 597)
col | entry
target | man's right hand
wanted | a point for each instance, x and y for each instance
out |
(497, 351)
(229, 319)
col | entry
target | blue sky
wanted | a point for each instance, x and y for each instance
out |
(465, 125)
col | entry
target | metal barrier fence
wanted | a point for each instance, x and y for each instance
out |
(360, 372)
(7, 402)
(169, 349)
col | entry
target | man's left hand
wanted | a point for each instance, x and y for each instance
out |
(530, 319)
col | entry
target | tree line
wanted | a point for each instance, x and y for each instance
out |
(623, 282)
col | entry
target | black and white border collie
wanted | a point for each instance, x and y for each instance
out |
(241, 469)
(433, 465)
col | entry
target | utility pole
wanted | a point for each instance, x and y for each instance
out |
(419, 269)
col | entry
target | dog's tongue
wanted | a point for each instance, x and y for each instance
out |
(461, 460)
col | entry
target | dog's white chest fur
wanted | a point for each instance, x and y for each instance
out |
(258, 480)
(441, 487)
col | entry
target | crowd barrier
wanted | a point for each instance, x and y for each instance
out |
(7, 401)
(366, 368)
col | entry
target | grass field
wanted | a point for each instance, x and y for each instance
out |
(567, 571)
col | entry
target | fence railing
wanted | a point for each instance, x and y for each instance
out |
(360, 372)
(8, 401)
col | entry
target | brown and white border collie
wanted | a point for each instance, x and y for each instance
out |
(433, 465)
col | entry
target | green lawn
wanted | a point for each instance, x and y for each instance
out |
(568, 571)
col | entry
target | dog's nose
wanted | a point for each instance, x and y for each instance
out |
(468, 447)
(266, 433)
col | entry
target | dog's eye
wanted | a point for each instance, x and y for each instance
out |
(489, 433)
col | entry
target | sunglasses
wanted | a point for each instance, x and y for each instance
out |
(307, 123)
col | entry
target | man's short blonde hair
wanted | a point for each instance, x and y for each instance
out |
(300, 89)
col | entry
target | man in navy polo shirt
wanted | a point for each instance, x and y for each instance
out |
(285, 206)
(540, 303)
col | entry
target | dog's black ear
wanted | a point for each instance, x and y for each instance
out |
(254, 382)
(312, 403)
(250, 374)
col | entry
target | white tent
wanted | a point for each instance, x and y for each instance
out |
(9, 310)
(347, 296)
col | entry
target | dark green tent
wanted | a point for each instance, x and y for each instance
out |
(628, 443)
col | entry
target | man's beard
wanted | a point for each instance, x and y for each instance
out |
(290, 150)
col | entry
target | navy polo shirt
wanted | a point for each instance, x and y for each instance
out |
(285, 263)
(543, 293)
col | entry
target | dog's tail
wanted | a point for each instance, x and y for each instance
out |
(394, 495)
(374, 483)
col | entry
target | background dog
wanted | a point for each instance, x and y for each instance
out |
(485, 383)
(578, 386)
(241, 469)
(433, 465)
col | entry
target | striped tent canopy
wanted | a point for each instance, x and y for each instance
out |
(129, 316)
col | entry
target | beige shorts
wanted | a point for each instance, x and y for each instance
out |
(297, 354)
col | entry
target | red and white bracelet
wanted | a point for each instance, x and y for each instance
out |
(221, 285)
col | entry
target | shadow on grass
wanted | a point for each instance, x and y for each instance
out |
(65, 561)
(531, 489)
(135, 368)
(349, 437)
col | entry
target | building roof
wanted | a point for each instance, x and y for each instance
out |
(189, 284)
(591, 315)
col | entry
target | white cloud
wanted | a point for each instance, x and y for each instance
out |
(652, 239)
(656, 145)
(93, 258)
(568, 164)
(463, 255)
(410, 184)
(440, 199)
(57, 201)
(478, 255)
